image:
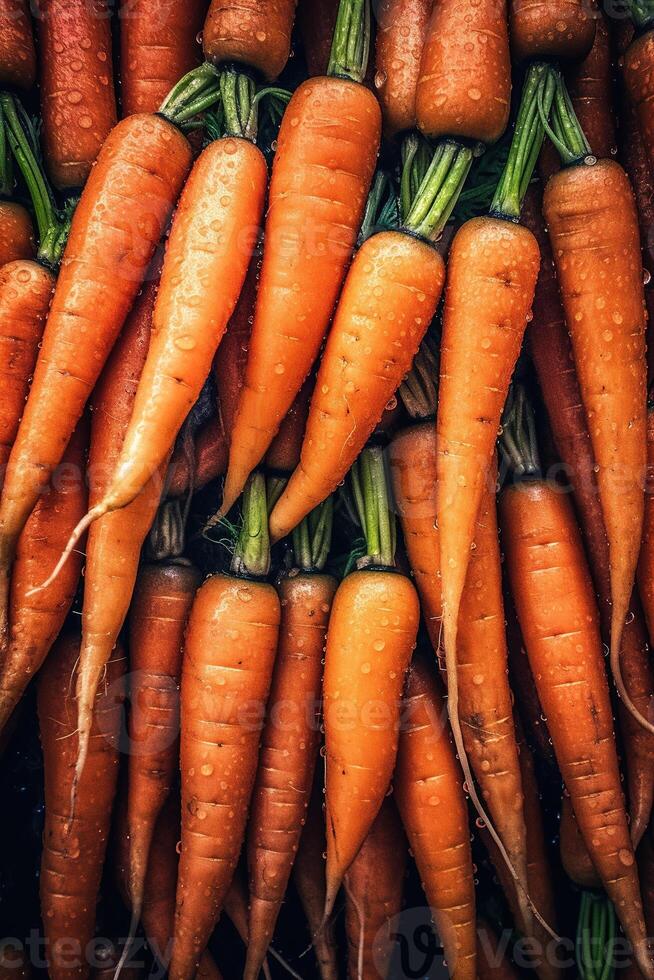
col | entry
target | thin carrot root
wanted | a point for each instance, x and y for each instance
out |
(616, 670)
(93, 515)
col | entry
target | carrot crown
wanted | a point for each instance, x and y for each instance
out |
(641, 13)
(518, 442)
(528, 135)
(167, 537)
(428, 195)
(21, 140)
(240, 102)
(563, 127)
(252, 553)
(381, 207)
(193, 94)
(419, 390)
(351, 41)
(370, 489)
(312, 538)
(596, 932)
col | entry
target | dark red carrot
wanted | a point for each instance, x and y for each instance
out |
(576, 860)
(78, 104)
(316, 22)
(17, 52)
(73, 851)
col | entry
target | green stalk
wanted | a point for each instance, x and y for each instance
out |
(564, 129)
(6, 161)
(372, 500)
(528, 135)
(52, 225)
(518, 442)
(416, 157)
(419, 390)
(312, 538)
(252, 553)
(193, 94)
(641, 13)
(381, 207)
(439, 190)
(240, 103)
(351, 41)
(596, 930)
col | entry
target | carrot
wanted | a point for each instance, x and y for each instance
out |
(326, 152)
(492, 271)
(158, 44)
(554, 600)
(119, 220)
(16, 233)
(78, 103)
(606, 321)
(231, 357)
(396, 279)
(646, 560)
(114, 543)
(230, 649)
(373, 895)
(530, 710)
(464, 87)
(316, 23)
(430, 798)
(551, 351)
(637, 74)
(372, 632)
(590, 83)
(25, 293)
(210, 241)
(256, 33)
(557, 29)
(36, 621)
(162, 600)
(207, 461)
(401, 33)
(309, 880)
(284, 451)
(106, 956)
(17, 52)
(14, 962)
(576, 860)
(158, 914)
(289, 743)
(73, 852)
(492, 962)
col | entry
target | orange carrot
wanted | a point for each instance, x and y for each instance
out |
(646, 560)
(372, 632)
(16, 233)
(557, 29)
(309, 880)
(576, 860)
(211, 240)
(228, 660)
(285, 450)
(162, 600)
(554, 600)
(114, 543)
(73, 852)
(373, 895)
(430, 798)
(606, 321)
(492, 272)
(158, 44)
(256, 33)
(551, 351)
(464, 87)
(25, 293)
(17, 52)
(36, 621)
(327, 147)
(638, 79)
(401, 33)
(119, 220)
(396, 278)
(289, 743)
(78, 104)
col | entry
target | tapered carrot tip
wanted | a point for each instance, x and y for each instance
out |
(93, 515)
(643, 955)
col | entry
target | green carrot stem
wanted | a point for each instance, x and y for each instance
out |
(563, 128)
(439, 190)
(528, 135)
(372, 500)
(518, 442)
(416, 156)
(419, 390)
(6, 161)
(641, 13)
(274, 489)
(381, 207)
(252, 552)
(51, 224)
(196, 92)
(240, 102)
(351, 41)
(312, 538)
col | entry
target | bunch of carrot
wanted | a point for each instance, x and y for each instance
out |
(325, 484)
